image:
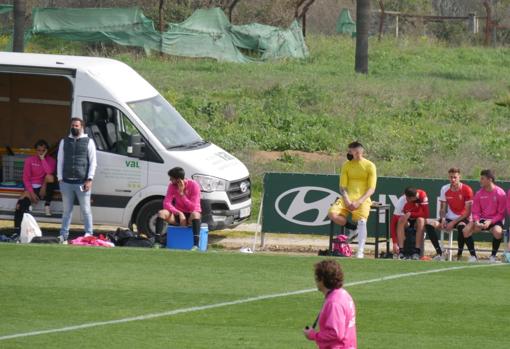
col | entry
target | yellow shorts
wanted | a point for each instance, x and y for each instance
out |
(361, 212)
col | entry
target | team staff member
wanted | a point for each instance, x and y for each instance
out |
(358, 180)
(337, 318)
(76, 166)
(489, 207)
(456, 200)
(415, 215)
(181, 205)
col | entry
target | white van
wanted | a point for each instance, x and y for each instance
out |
(139, 136)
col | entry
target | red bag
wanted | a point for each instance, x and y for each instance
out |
(340, 245)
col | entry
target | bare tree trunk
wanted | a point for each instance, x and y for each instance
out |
(362, 27)
(161, 23)
(19, 25)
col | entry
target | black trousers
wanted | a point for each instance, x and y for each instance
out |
(23, 205)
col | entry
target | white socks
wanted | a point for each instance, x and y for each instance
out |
(362, 237)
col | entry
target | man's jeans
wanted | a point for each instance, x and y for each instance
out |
(68, 192)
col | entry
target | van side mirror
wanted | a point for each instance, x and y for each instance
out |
(137, 147)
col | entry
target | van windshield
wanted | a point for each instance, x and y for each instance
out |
(166, 123)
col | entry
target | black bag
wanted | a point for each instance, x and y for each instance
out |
(120, 236)
(410, 241)
(45, 240)
(139, 241)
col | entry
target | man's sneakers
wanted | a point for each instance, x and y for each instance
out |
(401, 256)
(415, 257)
(360, 255)
(493, 259)
(472, 259)
(62, 240)
(47, 210)
(438, 257)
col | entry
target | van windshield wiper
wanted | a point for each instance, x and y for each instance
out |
(189, 145)
(177, 146)
(196, 143)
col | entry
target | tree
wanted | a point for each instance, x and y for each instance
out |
(19, 25)
(362, 27)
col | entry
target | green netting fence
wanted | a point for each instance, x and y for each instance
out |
(345, 24)
(206, 33)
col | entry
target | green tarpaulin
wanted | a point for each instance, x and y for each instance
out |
(206, 33)
(5, 9)
(124, 26)
(345, 24)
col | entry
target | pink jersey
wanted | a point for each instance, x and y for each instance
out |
(187, 203)
(489, 205)
(337, 322)
(508, 202)
(36, 169)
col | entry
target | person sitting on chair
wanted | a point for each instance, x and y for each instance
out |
(39, 182)
(181, 205)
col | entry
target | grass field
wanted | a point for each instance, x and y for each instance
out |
(58, 287)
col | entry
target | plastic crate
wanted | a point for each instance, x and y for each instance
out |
(12, 166)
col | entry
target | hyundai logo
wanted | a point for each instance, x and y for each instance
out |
(318, 210)
(243, 187)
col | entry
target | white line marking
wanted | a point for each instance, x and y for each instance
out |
(224, 304)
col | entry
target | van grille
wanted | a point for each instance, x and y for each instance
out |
(235, 190)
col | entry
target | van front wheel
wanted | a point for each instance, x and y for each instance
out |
(146, 218)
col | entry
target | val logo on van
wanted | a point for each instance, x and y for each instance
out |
(132, 163)
(305, 205)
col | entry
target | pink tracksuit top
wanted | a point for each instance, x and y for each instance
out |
(189, 202)
(489, 205)
(36, 169)
(337, 322)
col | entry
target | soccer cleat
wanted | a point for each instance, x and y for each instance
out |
(438, 257)
(472, 259)
(415, 257)
(493, 259)
(47, 211)
(401, 256)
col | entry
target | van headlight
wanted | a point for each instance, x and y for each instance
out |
(209, 183)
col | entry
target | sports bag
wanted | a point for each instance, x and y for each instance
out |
(341, 246)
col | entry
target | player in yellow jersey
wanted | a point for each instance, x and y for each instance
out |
(358, 179)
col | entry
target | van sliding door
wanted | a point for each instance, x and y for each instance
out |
(119, 176)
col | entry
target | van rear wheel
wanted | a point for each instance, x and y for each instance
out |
(146, 218)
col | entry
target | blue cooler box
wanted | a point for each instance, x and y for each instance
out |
(181, 238)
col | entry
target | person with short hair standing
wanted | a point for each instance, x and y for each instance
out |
(181, 205)
(358, 179)
(489, 207)
(76, 166)
(337, 318)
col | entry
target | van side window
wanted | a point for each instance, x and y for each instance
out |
(111, 130)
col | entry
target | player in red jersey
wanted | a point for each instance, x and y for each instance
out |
(456, 200)
(415, 214)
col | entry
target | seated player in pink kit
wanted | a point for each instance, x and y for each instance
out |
(39, 182)
(337, 318)
(181, 205)
(489, 207)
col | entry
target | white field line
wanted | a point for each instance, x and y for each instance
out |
(224, 304)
